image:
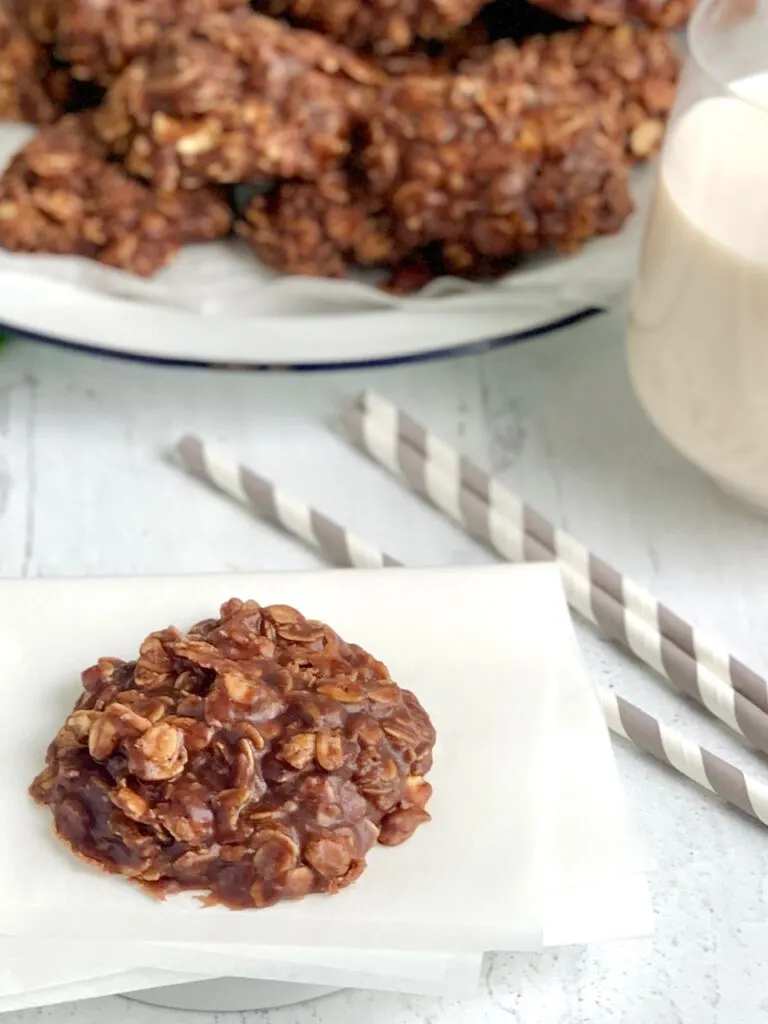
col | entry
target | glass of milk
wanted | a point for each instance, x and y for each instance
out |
(698, 331)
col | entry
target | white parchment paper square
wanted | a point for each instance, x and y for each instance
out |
(476, 645)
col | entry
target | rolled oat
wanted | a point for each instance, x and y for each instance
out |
(256, 758)
(61, 194)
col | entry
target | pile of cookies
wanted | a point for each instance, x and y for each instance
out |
(422, 136)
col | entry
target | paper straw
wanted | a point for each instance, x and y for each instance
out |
(507, 535)
(672, 747)
(636, 603)
(667, 745)
(272, 504)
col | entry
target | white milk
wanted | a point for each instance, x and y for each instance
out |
(698, 336)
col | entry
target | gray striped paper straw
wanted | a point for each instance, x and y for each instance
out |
(341, 547)
(381, 439)
(673, 748)
(636, 603)
(267, 501)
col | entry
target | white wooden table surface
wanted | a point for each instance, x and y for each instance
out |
(84, 490)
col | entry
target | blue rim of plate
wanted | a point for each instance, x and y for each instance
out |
(470, 348)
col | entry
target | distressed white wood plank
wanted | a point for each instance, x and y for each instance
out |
(567, 434)
(557, 419)
(103, 425)
(18, 469)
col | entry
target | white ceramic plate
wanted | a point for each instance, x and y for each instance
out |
(42, 311)
(224, 995)
(216, 306)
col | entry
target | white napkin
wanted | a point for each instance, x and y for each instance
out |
(594, 888)
(109, 985)
(31, 966)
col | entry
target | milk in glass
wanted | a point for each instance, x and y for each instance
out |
(698, 335)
